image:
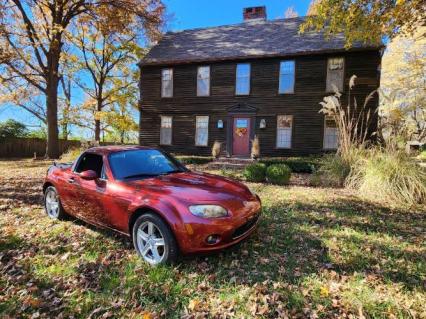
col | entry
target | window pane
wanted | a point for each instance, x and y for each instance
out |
(166, 130)
(331, 134)
(167, 83)
(287, 77)
(242, 86)
(201, 130)
(203, 81)
(284, 131)
(335, 74)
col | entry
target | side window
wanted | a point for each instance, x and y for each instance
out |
(335, 74)
(331, 134)
(89, 161)
(284, 131)
(166, 130)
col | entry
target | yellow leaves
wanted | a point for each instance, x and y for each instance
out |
(193, 304)
(324, 291)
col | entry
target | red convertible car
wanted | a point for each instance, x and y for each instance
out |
(147, 194)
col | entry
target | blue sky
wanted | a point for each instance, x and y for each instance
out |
(189, 14)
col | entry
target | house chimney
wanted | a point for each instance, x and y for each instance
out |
(254, 13)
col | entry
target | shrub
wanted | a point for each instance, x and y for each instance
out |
(255, 172)
(197, 160)
(255, 148)
(297, 165)
(278, 174)
(388, 176)
(216, 149)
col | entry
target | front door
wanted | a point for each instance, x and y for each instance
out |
(241, 136)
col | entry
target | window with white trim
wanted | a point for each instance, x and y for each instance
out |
(203, 81)
(284, 131)
(331, 134)
(167, 83)
(242, 82)
(201, 130)
(335, 74)
(166, 130)
(287, 72)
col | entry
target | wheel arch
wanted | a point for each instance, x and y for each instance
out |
(145, 210)
(46, 185)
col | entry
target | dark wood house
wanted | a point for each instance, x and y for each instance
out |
(260, 77)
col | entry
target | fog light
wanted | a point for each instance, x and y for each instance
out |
(212, 239)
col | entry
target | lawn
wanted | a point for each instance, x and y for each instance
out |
(317, 253)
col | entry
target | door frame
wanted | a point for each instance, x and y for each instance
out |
(230, 131)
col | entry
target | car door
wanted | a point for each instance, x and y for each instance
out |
(89, 192)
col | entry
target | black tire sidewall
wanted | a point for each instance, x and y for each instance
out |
(171, 249)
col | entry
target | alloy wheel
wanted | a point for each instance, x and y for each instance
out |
(151, 243)
(52, 204)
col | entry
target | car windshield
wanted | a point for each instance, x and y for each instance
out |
(143, 164)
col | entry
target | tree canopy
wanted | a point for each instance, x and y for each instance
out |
(367, 21)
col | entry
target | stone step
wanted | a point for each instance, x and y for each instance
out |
(230, 163)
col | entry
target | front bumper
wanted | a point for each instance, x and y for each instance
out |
(229, 230)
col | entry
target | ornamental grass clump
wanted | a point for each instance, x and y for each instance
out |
(255, 148)
(278, 174)
(387, 176)
(255, 172)
(216, 149)
(332, 172)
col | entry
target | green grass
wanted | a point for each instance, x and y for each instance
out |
(317, 252)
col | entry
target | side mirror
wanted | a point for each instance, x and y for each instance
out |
(89, 175)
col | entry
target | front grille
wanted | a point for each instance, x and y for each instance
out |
(240, 231)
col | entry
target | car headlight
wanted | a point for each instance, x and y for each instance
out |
(208, 211)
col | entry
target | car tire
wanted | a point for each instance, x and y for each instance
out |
(52, 204)
(154, 242)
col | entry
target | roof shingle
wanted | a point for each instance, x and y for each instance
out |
(252, 39)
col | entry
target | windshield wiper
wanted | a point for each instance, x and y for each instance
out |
(140, 175)
(171, 172)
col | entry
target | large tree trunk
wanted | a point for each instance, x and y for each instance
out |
(97, 130)
(52, 117)
(97, 119)
(52, 81)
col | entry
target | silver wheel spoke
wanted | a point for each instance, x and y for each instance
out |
(143, 235)
(158, 242)
(150, 228)
(155, 254)
(145, 250)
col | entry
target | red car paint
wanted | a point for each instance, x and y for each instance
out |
(111, 203)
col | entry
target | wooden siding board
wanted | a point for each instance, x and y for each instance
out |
(303, 104)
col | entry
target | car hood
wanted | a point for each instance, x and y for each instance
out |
(195, 187)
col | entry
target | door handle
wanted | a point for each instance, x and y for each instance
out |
(71, 180)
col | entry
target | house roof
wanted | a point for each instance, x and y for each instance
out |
(250, 39)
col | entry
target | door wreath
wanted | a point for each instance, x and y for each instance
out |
(241, 131)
